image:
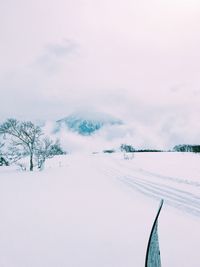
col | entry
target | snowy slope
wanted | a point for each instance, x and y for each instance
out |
(97, 210)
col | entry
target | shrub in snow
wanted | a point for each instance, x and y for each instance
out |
(47, 149)
(128, 156)
(127, 148)
(128, 151)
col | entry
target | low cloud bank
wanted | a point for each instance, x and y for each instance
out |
(161, 132)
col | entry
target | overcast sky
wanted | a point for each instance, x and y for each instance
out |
(137, 59)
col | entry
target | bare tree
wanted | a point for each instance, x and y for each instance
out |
(3, 160)
(24, 138)
(1, 146)
(46, 149)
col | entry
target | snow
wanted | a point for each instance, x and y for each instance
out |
(97, 210)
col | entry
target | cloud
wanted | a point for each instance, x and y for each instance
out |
(54, 55)
(36, 82)
(127, 59)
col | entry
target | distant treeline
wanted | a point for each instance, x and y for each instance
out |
(130, 149)
(148, 150)
(178, 148)
(187, 148)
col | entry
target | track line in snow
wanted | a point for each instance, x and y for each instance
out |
(171, 192)
(172, 197)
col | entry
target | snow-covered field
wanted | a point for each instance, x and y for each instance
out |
(97, 211)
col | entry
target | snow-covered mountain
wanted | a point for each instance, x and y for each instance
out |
(86, 123)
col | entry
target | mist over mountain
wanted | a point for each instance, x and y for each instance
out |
(88, 130)
(86, 123)
(96, 130)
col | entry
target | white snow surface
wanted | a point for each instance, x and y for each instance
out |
(97, 210)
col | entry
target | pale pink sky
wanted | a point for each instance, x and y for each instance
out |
(137, 59)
